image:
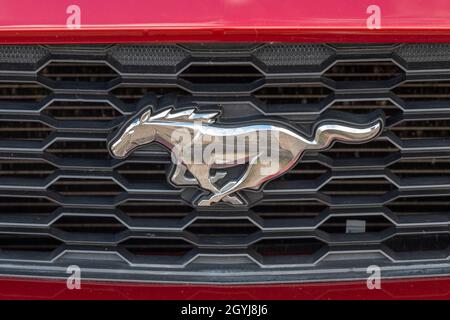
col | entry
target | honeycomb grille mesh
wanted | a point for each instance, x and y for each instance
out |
(64, 199)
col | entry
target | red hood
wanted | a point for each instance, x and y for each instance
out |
(25, 21)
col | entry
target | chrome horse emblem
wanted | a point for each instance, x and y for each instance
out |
(202, 128)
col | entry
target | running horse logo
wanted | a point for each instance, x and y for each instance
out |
(202, 128)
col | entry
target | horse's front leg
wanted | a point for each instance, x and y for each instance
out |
(179, 176)
(232, 186)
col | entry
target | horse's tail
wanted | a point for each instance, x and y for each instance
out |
(326, 134)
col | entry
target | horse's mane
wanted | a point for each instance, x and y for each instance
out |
(188, 115)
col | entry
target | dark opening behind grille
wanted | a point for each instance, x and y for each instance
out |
(143, 172)
(409, 168)
(305, 94)
(217, 74)
(22, 92)
(424, 91)
(339, 224)
(357, 187)
(420, 205)
(132, 94)
(81, 110)
(85, 224)
(287, 247)
(427, 129)
(305, 170)
(79, 150)
(222, 228)
(36, 243)
(21, 130)
(86, 187)
(26, 168)
(78, 71)
(363, 71)
(365, 107)
(289, 210)
(155, 209)
(24, 206)
(373, 149)
(416, 242)
(157, 247)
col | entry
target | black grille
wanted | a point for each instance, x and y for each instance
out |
(64, 200)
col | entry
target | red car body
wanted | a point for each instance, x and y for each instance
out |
(25, 21)
(115, 21)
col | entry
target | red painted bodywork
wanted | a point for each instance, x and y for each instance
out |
(433, 288)
(34, 21)
(114, 21)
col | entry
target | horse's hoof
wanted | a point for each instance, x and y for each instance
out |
(204, 203)
(212, 200)
(233, 200)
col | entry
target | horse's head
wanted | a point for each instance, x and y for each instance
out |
(137, 133)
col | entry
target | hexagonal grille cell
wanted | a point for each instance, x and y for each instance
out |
(370, 150)
(365, 107)
(428, 167)
(25, 168)
(424, 91)
(419, 242)
(86, 187)
(26, 206)
(155, 209)
(85, 224)
(303, 94)
(417, 205)
(422, 129)
(157, 247)
(288, 247)
(221, 74)
(293, 54)
(78, 72)
(142, 172)
(357, 187)
(79, 150)
(81, 111)
(363, 71)
(22, 92)
(355, 224)
(22, 54)
(23, 242)
(218, 228)
(25, 131)
(289, 210)
(305, 171)
(132, 94)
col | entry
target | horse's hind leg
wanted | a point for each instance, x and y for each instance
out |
(232, 187)
(255, 175)
(201, 172)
